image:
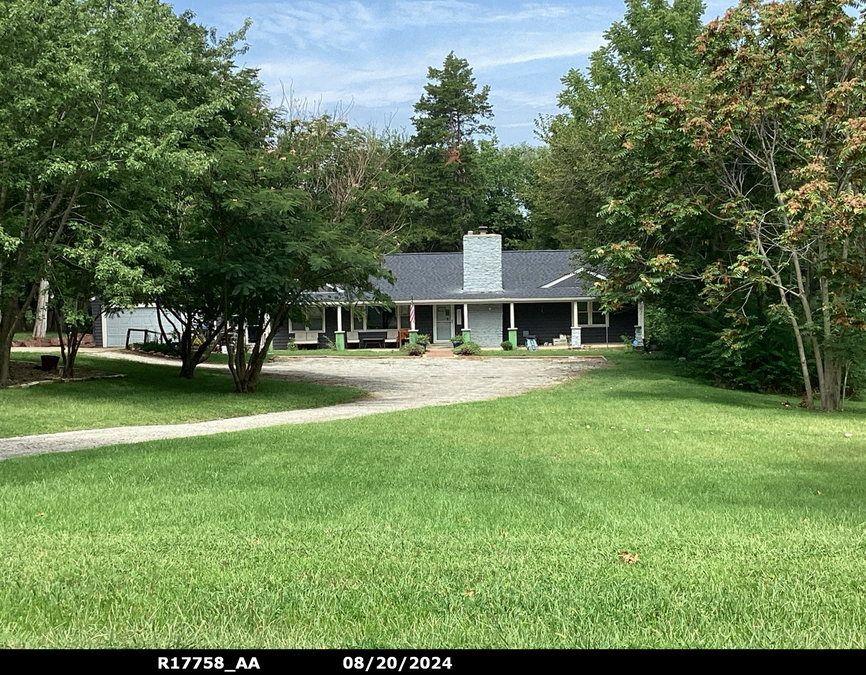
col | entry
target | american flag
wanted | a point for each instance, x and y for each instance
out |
(412, 314)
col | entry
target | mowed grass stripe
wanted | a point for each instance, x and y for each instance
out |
(151, 393)
(491, 524)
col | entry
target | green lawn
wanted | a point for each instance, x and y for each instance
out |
(336, 352)
(493, 524)
(151, 393)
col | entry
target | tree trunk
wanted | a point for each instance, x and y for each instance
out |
(12, 313)
(40, 325)
(8, 319)
(831, 392)
(246, 372)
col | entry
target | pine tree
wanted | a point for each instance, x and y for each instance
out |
(449, 115)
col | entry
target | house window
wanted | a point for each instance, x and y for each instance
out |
(376, 318)
(314, 320)
(403, 311)
(589, 314)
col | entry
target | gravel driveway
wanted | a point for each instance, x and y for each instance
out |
(393, 384)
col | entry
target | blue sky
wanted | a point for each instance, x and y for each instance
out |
(369, 58)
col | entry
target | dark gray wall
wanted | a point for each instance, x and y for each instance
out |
(95, 309)
(544, 320)
(548, 320)
(424, 319)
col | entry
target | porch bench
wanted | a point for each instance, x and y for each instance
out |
(306, 337)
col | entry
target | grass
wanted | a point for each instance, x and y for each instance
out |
(149, 394)
(337, 352)
(492, 524)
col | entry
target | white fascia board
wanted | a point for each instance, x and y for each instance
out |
(561, 279)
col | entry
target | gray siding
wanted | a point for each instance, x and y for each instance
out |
(95, 312)
(424, 319)
(548, 320)
(485, 324)
(623, 323)
(544, 320)
(281, 339)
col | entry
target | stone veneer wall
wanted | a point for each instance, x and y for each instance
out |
(485, 323)
(482, 263)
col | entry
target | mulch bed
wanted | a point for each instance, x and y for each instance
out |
(29, 373)
(51, 342)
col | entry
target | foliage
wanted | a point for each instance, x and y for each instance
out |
(751, 181)
(158, 347)
(423, 339)
(582, 159)
(627, 346)
(468, 349)
(413, 349)
(90, 137)
(457, 339)
(506, 184)
(448, 116)
(506, 345)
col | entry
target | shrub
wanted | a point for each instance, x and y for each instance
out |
(158, 347)
(413, 349)
(468, 349)
(457, 339)
(627, 343)
(506, 345)
(422, 339)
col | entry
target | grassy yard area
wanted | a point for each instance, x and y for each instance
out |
(491, 524)
(336, 352)
(149, 394)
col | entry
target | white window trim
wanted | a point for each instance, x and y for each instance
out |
(606, 323)
(293, 328)
(363, 326)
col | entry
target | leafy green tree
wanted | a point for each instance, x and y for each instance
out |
(762, 165)
(653, 43)
(506, 179)
(449, 116)
(98, 99)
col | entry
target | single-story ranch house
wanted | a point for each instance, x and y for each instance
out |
(490, 294)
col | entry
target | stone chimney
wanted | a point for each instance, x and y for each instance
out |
(482, 262)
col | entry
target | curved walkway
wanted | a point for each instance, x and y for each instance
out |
(392, 383)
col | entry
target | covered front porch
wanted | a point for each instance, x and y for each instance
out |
(576, 322)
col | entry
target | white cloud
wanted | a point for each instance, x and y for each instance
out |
(374, 55)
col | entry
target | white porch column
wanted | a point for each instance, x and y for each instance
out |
(340, 334)
(466, 315)
(511, 316)
(576, 337)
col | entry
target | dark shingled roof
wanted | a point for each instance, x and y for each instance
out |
(429, 277)
(439, 276)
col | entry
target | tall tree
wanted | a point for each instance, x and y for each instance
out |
(653, 42)
(764, 166)
(98, 98)
(506, 180)
(449, 116)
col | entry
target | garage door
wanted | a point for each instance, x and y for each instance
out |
(116, 325)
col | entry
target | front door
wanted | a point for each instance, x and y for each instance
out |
(444, 325)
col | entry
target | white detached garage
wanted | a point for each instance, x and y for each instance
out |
(110, 329)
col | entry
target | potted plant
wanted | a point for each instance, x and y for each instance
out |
(457, 340)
